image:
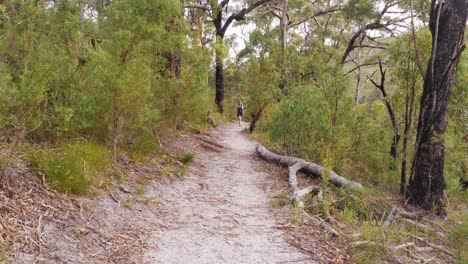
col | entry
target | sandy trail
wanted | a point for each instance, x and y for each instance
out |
(220, 213)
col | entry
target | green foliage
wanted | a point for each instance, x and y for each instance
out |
(368, 125)
(359, 10)
(166, 171)
(296, 121)
(458, 239)
(372, 248)
(73, 167)
(456, 167)
(186, 158)
(66, 75)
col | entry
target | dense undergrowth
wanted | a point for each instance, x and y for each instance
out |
(358, 148)
(321, 121)
(74, 167)
(80, 89)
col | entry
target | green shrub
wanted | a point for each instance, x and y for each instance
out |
(373, 249)
(458, 240)
(71, 167)
(297, 120)
(186, 158)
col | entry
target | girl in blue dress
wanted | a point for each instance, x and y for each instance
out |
(240, 112)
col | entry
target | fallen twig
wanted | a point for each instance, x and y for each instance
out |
(432, 245)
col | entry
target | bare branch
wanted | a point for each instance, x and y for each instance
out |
(240, 15)
(361, 65)
(415, 42)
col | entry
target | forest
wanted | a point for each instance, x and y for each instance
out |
(374, 91)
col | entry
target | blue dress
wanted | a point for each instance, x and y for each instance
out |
(240, 111)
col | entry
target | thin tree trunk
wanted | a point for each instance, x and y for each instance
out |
(391, 113)
(415, 42)
(116, 127)
(283, 41)
(219, 75)
(409, 106)
(255, 117)
(426, 183)
(174, 64)
(358, 86)
(221, 28)
(284, 24)
(219, 71)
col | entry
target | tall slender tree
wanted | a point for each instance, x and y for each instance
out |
(221, 27)
(222, 20)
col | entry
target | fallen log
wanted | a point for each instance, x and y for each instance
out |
(391, 216)
(293, 182)
(308, 168)
(311, 189)
(296, 195)
(411, 215)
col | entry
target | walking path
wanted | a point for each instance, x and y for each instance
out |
(220, 213)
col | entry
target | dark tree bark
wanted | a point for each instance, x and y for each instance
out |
(447, 24)
(219, 76)
(255, 117)
(174, 64)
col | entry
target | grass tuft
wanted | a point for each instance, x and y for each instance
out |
(186, 158)
(71, 167)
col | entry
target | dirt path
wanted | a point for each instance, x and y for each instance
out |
(220, 213)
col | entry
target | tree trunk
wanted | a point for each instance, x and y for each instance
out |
(221, 28)
(116, 128)
(391, 113)
(255, 117)
(283, 41)
(219, 81)
(426, 183)
(174, 64)
(409, 107)
(284, 24)
(219, 75)
(358, 87)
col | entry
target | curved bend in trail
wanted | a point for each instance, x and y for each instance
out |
(220, 213)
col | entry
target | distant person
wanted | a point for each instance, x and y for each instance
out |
(240, 112)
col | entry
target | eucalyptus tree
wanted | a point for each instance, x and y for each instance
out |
(222, 14)
(447, 24)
